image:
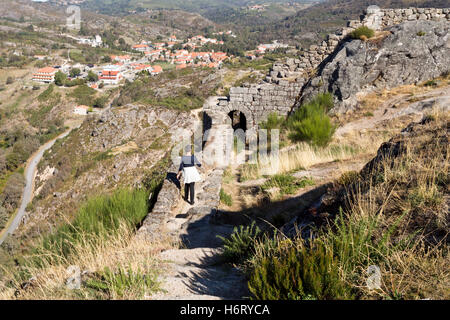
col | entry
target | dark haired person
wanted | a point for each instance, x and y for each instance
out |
(190, 173)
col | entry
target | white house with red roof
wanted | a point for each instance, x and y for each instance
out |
(81, 110)
(124, 59)
(156, 70)
(46, 75)
(141, 47)
(110, 75)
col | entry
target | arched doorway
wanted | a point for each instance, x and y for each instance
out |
(238, 120)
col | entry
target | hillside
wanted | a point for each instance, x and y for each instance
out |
(201, 6)
(328, 16)
(345, 196)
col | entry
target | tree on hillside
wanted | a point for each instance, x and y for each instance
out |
(60, 78)
(75, 72)
(13, 191)
(92, 77)
(2, 160)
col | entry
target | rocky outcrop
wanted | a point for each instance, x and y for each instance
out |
(282, 85)
(413, 52)
(114, 149)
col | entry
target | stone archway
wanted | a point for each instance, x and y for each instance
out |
(238, 120)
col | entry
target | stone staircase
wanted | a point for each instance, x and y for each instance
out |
(194, 271)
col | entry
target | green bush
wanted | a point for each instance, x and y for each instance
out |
(44, 96)
(286, 183)
(84, 95)
(274, 121)
(12, 161)
(298, 273)
(60, 78)
(317, 130)
(362, 32)
(100, 102)
(75, 72)
(100, 216)
(241, 243)
(310, 123)
(118, 284)
(225, 198)
(92, 77)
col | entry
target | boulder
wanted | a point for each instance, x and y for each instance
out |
(401, 58)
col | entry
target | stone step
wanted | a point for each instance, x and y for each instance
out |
(223, 282)
(203, 257)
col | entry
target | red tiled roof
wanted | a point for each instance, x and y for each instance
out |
(157, 69)
(47, 70)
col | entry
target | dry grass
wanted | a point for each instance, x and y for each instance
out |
(300, 157)
(93, 255)
(395, 216)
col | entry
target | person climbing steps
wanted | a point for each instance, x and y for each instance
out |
(191, 175)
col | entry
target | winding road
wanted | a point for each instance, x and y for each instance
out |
(27, 195)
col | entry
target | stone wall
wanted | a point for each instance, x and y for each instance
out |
(282, 85)
(256, 101)
(379, 19)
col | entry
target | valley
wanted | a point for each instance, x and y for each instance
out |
(321, 128)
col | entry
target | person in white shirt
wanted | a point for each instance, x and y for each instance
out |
(191, 175)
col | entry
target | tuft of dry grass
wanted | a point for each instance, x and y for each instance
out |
(47, 281)
(300, 156)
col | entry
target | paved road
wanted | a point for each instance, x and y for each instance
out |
(27, 194)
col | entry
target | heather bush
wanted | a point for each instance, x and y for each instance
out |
(362, 33)
(310, 123)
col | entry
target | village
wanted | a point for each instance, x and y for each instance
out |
(145, 57)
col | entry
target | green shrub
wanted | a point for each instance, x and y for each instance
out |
(118, 284)
(298, 273)
(225, 198)
(362, 32)
(240, 244)
(92, 77)
(317, 130)
(100, 102)
(310, 123)
(274, 121)
(60, 78)
(431, 83)
(12, 161)
(356, 241)
(286, 183)
(421, 33)
(75, 72)
(100, 216)
(44, 96)
(83, 95)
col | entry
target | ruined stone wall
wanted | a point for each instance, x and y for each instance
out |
(257, 101)
(379, 19)
(285, 80)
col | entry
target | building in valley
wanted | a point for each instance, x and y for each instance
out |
(110, 75)
(81, 110)
(46, 75)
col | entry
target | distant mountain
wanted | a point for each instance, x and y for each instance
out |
(197, 6)
(323, 18)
